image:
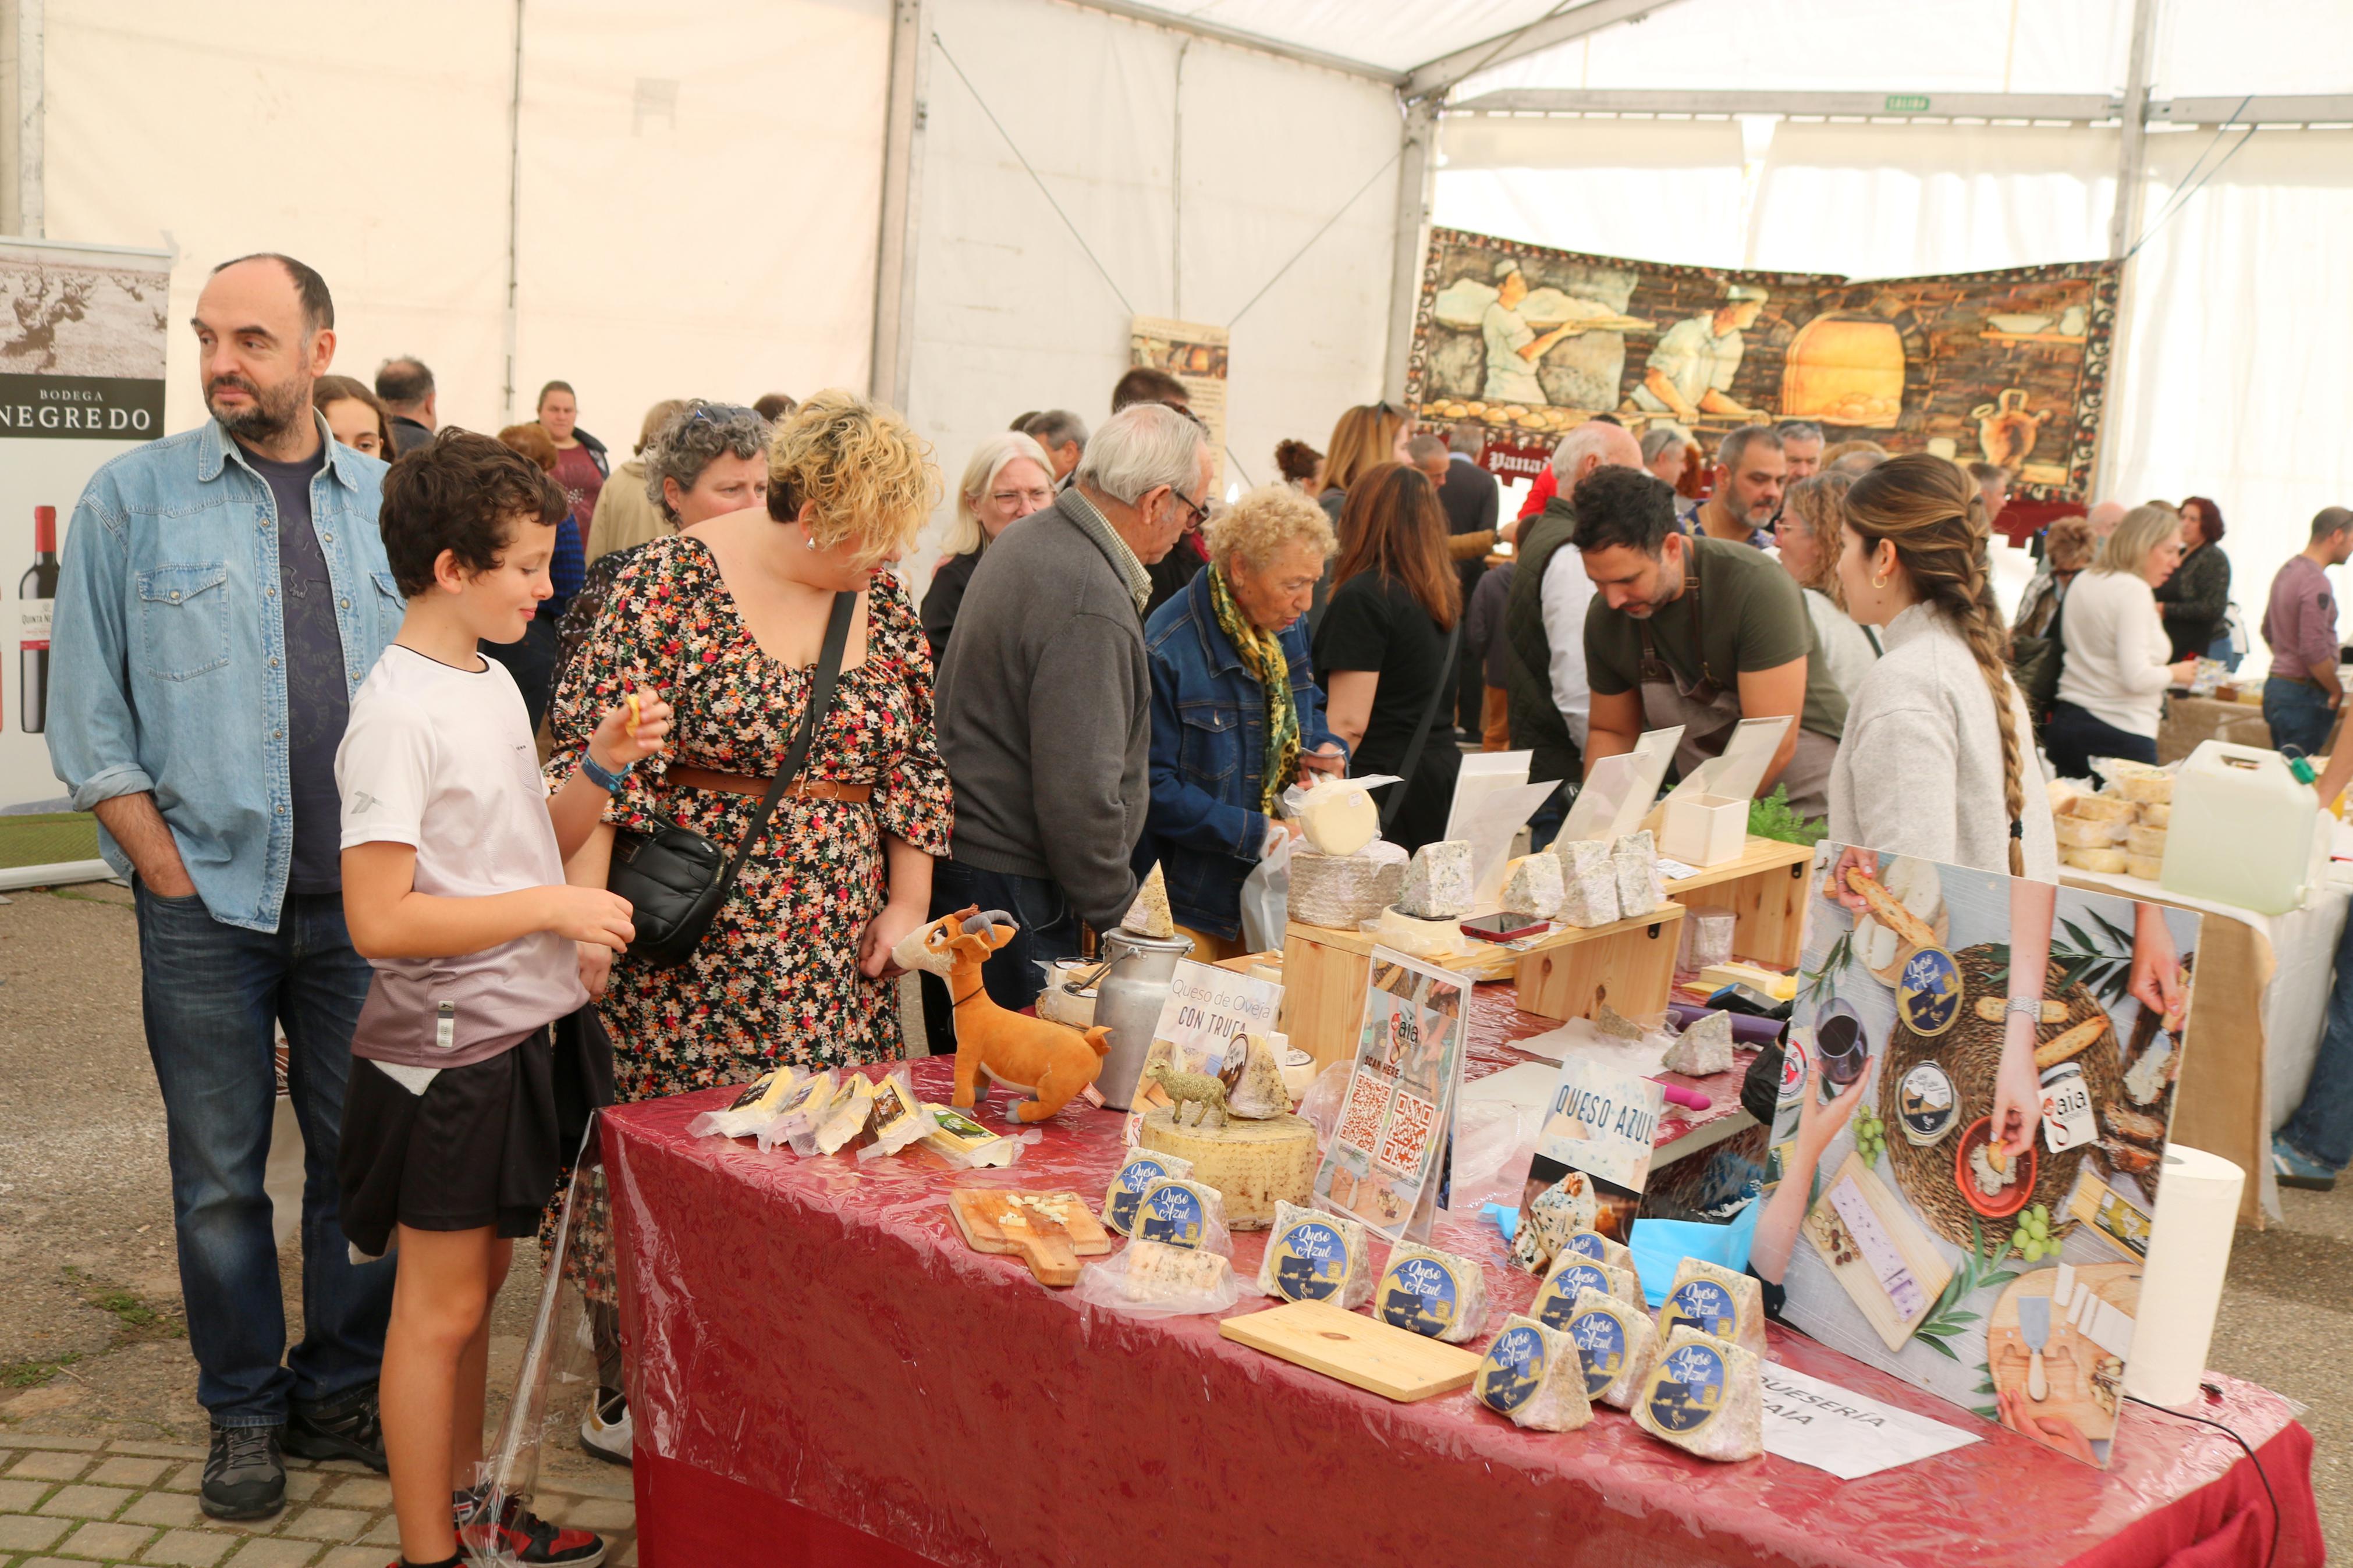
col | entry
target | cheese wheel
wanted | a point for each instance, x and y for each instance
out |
(2147, 867)
(2086, 832)
(2110, 859)
(1254, 1165)
(1342, 892)
(2158, 814)
(2148, 843)
(1339, 818)
(2147, 789)
(2101, 807)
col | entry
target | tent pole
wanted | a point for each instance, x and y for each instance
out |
(27, 207)
(1416, 169)
(892, 361)
(514, 219)
(2123, 225)
(1176, 192)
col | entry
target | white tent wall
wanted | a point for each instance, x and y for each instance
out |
(1010, 314)
(1616, 187)
(721, 244)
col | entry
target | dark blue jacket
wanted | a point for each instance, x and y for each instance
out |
(1208, 754)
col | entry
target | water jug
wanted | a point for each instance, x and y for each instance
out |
(1128, 999)
(2243, 832)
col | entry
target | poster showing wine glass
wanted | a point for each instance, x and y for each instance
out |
(82, 337)
(1972, 1124)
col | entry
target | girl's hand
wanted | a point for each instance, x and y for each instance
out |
(2017, 1087)
(1836, 888)
(588, 915)
(2156, 982)
(883, 932)
(631, 730)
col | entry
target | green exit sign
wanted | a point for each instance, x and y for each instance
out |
(1907, 103)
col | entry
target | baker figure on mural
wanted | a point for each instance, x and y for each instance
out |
(1515, 347)
(1691, 370)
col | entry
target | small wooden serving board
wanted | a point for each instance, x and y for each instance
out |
(1052, 1250)
(1396, 1363)
(2069, 1355)
(1855, 1267)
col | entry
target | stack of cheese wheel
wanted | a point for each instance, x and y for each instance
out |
(2121, 830)
(1345, 874)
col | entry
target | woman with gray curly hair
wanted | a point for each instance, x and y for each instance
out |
(707, 460)
(1236, 717)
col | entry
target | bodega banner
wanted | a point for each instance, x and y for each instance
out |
(83, 332)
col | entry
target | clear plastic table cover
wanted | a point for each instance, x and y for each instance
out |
(818, 1329)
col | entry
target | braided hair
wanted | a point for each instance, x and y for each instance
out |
(1931, 511)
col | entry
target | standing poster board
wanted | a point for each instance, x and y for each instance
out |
(82, 336)
(2008, 1285)
(1195, 353)
(1389, 1161)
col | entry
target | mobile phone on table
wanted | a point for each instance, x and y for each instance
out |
(1507, 926)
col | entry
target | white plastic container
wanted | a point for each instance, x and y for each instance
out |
(1704, 829)
(2244, 831)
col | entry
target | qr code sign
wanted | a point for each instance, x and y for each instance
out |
(1368, 1096)
(1411, 1120)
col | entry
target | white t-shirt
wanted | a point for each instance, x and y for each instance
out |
(2118, 660)
(441, 759)
(1567, 594)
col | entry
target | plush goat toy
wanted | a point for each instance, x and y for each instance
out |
(1050, 1061)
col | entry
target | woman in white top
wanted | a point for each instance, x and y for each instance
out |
(1807, 536)
(2111, 686)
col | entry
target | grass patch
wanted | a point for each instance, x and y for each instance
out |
(32, 1373)
(139, 1319)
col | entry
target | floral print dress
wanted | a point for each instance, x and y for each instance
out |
(775, 979)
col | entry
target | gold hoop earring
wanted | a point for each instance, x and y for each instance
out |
(1879, 581)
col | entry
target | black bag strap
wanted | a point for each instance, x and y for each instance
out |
(821, 699)
(1438, 696)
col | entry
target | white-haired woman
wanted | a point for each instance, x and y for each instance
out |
(1237, 716)
(1009, 477)
(2112, 686)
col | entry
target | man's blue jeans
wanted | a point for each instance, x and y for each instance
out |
(1049, 927)
(210, 993)
(2299, 714)
(2322, 1127)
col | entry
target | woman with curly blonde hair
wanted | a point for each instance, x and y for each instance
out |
(1807, 535)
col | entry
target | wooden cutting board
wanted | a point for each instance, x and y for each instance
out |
(1858, 1267)
(1050, 1246)
(2069, 1355)
(1396, 1363)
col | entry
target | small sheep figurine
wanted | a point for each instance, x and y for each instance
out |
(1204, 1094)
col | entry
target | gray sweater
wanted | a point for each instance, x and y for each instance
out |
(1045, 715)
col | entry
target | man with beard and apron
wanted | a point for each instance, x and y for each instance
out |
(1701, 633)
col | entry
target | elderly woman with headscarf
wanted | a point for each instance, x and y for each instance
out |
(1008, 478)
(1237, 716)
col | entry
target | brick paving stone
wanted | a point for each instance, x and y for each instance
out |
(61, 1445)
(49, 1468)
(327, 1524)
(276, 1553)
(186, 1478)
(86, 1502)
(173, 1510)
(130, 1472)
(615, 1486)
(353, 1557)
(18, 1497)
(189, 1549)
(626, 1557)
(360, 1491)
(302, 1486)
(25, 1532)
(106, 1539)
(385, 1533)
(159, 1450)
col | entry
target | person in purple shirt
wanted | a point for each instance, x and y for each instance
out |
(2302, 696)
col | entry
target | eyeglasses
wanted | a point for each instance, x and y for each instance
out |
(1200, 513)
(1038, 498)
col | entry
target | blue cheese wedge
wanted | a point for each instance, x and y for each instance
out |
(1158, 1272)
(1135, 1174)
(1183, 1214)
(1596, 1247)
(1588, 894)
(1532, 1375)
(1704, 1049)
(1317, 1256)
(1636, 862)
(1438, 881)
(1533, 885)
(1705, 1395)
(1717, 1301)
(1431, 1292)
(1616, 1342)
(1572, 1276)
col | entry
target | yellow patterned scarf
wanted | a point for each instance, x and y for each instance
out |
(1262, 655)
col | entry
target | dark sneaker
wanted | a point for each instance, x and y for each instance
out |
(344, 1427)
(522, 1536)
(244, 1476)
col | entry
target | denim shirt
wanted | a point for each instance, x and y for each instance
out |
(164, 657)
(1208, 754)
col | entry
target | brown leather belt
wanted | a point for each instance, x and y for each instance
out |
(757, 786)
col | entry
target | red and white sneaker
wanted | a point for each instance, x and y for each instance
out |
(521, 1536)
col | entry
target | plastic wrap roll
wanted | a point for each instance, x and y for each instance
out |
(2181, 1283)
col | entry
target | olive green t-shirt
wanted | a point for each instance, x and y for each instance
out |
(1751, 617)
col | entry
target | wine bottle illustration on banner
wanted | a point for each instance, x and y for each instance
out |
(35, 594)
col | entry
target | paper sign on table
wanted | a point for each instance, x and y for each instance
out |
(1814, 1423)
(1603, 1123)
(1208, 1006)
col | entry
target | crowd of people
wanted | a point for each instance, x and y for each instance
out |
(385, 692)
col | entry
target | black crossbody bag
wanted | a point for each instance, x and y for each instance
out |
(674, 878)
(1410, 768)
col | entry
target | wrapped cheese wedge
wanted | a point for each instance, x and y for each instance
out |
(1184, 1213)
(1158, 1272)
(1431, 1292)
(1588, 882)
(800, 1109)
(750, 1111)
(1705, 1395)
(895, 1118)
(1715, 1301)
(1135, 1174)
(844, 1116)
(1641, 889)
(1596, 1247)
(1616, 1342)
(1557, 1297)
(1317, 1256)
(1532, 1375)
(1438, 881)
(1533, 885)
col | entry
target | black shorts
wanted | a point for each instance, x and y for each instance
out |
(477, 1147)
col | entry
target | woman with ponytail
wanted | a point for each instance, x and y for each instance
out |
(1938, 757)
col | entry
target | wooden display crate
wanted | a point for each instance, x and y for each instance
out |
(1562, 976)
(1764, 888)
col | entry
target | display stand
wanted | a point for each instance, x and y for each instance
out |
(1764, 888)
(1564, 975)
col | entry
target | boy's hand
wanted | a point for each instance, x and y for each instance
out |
(631, 730)
(590, 915)
(595, 961)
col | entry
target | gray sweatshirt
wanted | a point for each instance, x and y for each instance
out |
(1045, 715)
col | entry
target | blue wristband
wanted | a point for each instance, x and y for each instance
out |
(610, 783)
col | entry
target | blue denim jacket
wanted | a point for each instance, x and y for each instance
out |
(1208, 753)
(164, 672)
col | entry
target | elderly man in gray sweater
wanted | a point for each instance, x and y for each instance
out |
(1044, 699)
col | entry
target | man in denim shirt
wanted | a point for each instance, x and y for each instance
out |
(223, 593)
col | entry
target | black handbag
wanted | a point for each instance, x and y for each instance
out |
(2036, 663)
(675, 879)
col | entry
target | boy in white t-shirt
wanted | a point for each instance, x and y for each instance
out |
(453, 856)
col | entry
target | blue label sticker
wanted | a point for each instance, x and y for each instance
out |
(1705, 1306)
(1172, 1214)
(1134, 1177)
(1310, 1261)
(1689, 1390)
(1600, 1340)
(1514, 1367)
(1928, 992)
(1558, 1303)
(1419, 1293)
(1587, 1243)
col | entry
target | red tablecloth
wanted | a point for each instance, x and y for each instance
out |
(816, 1353)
